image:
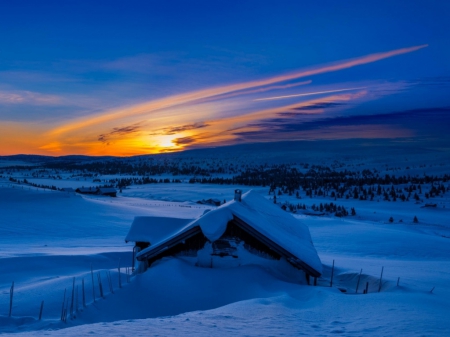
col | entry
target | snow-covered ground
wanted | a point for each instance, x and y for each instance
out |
(49, 237)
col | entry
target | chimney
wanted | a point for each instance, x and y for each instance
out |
(237, 195)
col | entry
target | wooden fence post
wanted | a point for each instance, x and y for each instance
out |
(84, 296)
(332, 273)
(76, 299)
(73, 296)
(11, 296)
(120, 281)
(40, 311)
(93, 285)
(66, 310)
(381, 279)
(100, 284)
(62, 307)
(357, 284)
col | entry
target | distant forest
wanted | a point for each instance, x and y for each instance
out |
(315, 180)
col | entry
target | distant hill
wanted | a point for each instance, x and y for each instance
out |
(41, 159)
(285, 151)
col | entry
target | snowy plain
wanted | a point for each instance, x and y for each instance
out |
(48, 237)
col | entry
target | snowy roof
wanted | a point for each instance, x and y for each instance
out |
(262, 216)
(107, 190)
(154, 229)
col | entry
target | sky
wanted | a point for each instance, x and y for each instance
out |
(138, 77)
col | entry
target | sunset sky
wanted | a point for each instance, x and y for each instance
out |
(135, 77)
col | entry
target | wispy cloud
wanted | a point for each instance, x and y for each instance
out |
(308, 94)
(320, 106)
(120, 131)
(28, 97)
(185, 140)
(430, 122)
(177, 129)
(439, 81)
(377, 131)
(254, 91)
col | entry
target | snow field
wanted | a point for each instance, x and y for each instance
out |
(46, 238)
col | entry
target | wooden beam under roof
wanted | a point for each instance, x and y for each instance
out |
(169, 244)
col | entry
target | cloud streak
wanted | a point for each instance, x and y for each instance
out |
(27, 97)
(254, 91)
(120, 131)
(198, 96)
(177, 129)
(308, 94)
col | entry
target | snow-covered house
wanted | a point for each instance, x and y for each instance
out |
(86, 190)
(68, 189)
(247, 226)
(109, 191)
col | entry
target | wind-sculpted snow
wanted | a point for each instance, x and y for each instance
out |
(214, 223)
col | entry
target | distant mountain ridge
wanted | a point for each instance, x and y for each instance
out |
(284, 151)
(42, 158)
